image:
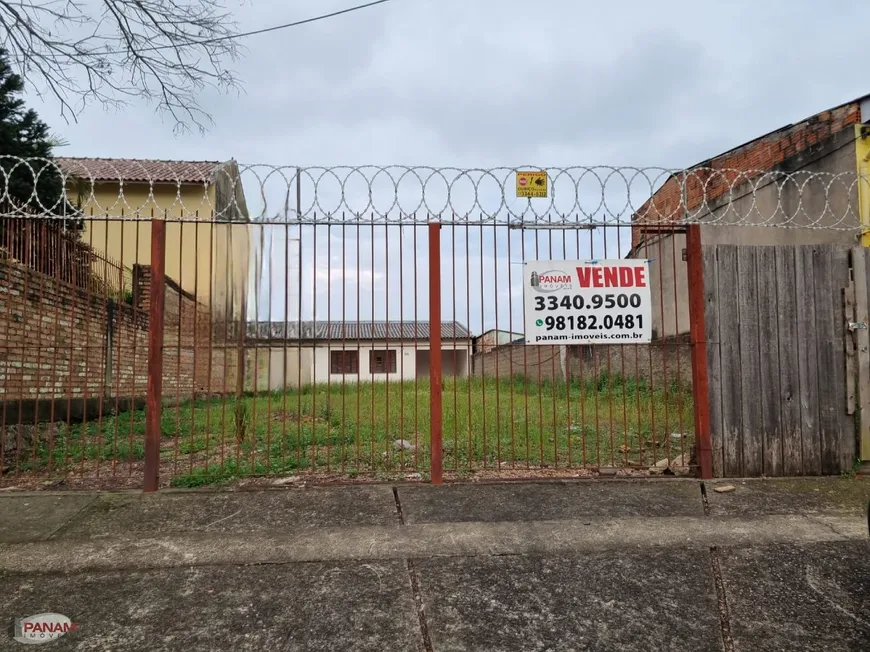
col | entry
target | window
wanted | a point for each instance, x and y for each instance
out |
(344, 362)
(382, 362)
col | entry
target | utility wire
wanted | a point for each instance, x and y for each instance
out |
(295, 24)
(263, 30)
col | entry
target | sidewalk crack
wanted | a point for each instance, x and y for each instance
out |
(704, 499)
(418, 603)
(825, 524)
(63, 525)
(399, 514)
(722, 600)
(414, 579)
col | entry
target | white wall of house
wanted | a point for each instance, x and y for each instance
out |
(273, 368)
(406, 360)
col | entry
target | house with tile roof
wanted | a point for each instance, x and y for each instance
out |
(207, 232)
(741, 184)
(292, 354)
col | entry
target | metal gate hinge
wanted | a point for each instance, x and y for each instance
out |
(857, 325)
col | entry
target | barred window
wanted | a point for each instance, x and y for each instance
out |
(344, 362)
(382, 362)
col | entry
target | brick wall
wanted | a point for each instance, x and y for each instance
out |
(59, 342)
(142, 287)
(533, 362)
(722, 173)
(659, 362)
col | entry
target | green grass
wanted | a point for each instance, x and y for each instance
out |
(351, 429)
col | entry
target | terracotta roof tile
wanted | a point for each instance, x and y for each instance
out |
(147, 170)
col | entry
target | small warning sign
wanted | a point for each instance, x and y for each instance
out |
(532, 184)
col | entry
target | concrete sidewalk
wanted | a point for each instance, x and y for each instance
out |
(598, 565)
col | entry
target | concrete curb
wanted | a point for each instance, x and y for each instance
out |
(566, 537)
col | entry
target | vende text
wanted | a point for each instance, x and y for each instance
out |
(628, 276)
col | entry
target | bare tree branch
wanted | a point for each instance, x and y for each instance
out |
(166, 52)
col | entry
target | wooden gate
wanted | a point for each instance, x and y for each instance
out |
(781, 331)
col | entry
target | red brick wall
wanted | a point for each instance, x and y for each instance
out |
(54, 343)
(723, 172)
(142, 287)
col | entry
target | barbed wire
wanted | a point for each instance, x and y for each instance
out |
(575, 196)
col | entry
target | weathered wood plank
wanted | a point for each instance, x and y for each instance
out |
(769, 363)
(851, 354)
(729, 361)
(846, 447)
(789, 360)
(861, 270)
(750, 361)
(847, 432)
(808, 370)
(714, 371)
(830, 401)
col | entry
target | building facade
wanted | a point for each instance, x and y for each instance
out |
(279, 355)
(816, 150)
(207, 254)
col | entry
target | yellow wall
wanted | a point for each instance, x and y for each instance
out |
(862, 148)
(208, 258)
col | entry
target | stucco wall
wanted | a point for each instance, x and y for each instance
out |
(862, 155)
(315, 364)
(210, 260)
(265, 368)
(820, 200)
(406, 362)
(406, 367)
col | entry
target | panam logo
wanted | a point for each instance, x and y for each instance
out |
(551, 281)
(42, 628)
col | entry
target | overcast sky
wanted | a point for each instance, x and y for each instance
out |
(479, 83)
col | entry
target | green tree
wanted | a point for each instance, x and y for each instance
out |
(29, 178)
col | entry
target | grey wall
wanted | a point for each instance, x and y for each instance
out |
(786, 209)
(669, 283)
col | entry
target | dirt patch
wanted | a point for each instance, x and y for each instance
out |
(123, 474)
(292, 417)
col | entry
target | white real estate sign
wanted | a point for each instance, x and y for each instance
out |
(587, 302)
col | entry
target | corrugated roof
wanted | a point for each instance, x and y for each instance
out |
(367, 330)
(147, 170)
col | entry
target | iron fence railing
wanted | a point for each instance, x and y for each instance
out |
(331, 335)
(46, 246)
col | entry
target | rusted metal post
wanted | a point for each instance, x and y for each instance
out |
(700, 381)
(154, 389)
(436, 416)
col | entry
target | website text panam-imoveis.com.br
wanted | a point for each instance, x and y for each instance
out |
(597, 337)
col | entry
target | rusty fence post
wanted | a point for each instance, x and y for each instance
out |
(154, 388)
(698, 330)
(435, 413)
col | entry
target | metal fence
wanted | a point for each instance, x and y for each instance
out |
(330, 329)
(596, 195)
(52, 249)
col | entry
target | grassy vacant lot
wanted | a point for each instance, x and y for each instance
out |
(384, 428)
